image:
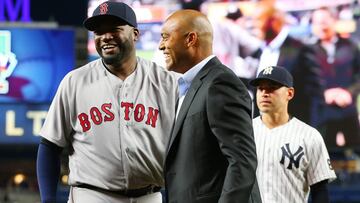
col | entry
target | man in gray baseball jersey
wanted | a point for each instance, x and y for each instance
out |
(292, 156)
(115, 113)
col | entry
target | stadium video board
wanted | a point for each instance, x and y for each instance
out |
(33, 61)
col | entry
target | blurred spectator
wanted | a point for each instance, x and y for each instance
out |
(191, 4)
(356, 10)
(233, 44)
(339, 60)
(345, 12)
(280, 49)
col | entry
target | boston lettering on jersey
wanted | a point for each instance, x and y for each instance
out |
(293, 158)
(97, 116)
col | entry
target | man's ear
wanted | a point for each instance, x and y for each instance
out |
(136, 34)
(291, 93)
(191, 39)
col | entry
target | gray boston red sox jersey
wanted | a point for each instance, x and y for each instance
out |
(291, 158)
(118, 129)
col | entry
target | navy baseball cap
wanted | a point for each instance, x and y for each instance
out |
(277, 74)
(116, 11)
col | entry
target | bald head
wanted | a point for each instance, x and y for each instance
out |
(186, 39)
(193, 21)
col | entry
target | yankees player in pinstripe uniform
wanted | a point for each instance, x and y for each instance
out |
(115, 113)
(292, 157)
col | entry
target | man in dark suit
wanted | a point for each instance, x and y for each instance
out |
(211, 156)
(280, 49)
(339, 58)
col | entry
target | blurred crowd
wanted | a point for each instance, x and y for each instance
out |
(318, 43)
(319, 47)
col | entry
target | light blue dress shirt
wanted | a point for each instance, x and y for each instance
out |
(185, 80)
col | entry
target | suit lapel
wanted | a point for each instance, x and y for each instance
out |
(189, 97)
(183, 110)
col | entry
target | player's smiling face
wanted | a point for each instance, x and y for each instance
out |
(272, 97)
(172, 43)
(115, 42)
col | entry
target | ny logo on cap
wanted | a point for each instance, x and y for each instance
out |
(268, 70)
(103, 8)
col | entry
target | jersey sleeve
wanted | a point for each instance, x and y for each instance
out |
(319, 166)
(57, 126)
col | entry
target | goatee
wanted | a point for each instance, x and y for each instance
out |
(111, 60)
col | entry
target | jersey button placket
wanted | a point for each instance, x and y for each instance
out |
(125, 88)
(121, 127)
(126, 127)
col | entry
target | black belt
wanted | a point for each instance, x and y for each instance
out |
(128, 193)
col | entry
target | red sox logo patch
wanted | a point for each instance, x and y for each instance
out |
(139, 112)
(104, 8)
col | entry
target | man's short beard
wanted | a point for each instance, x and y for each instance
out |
(124, 53)
(111, 60)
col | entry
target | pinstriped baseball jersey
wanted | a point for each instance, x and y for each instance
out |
(291, 158)
(118, 129)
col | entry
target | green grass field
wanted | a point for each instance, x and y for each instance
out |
(145, 54)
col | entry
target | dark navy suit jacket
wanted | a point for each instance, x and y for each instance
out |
(211, 156)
